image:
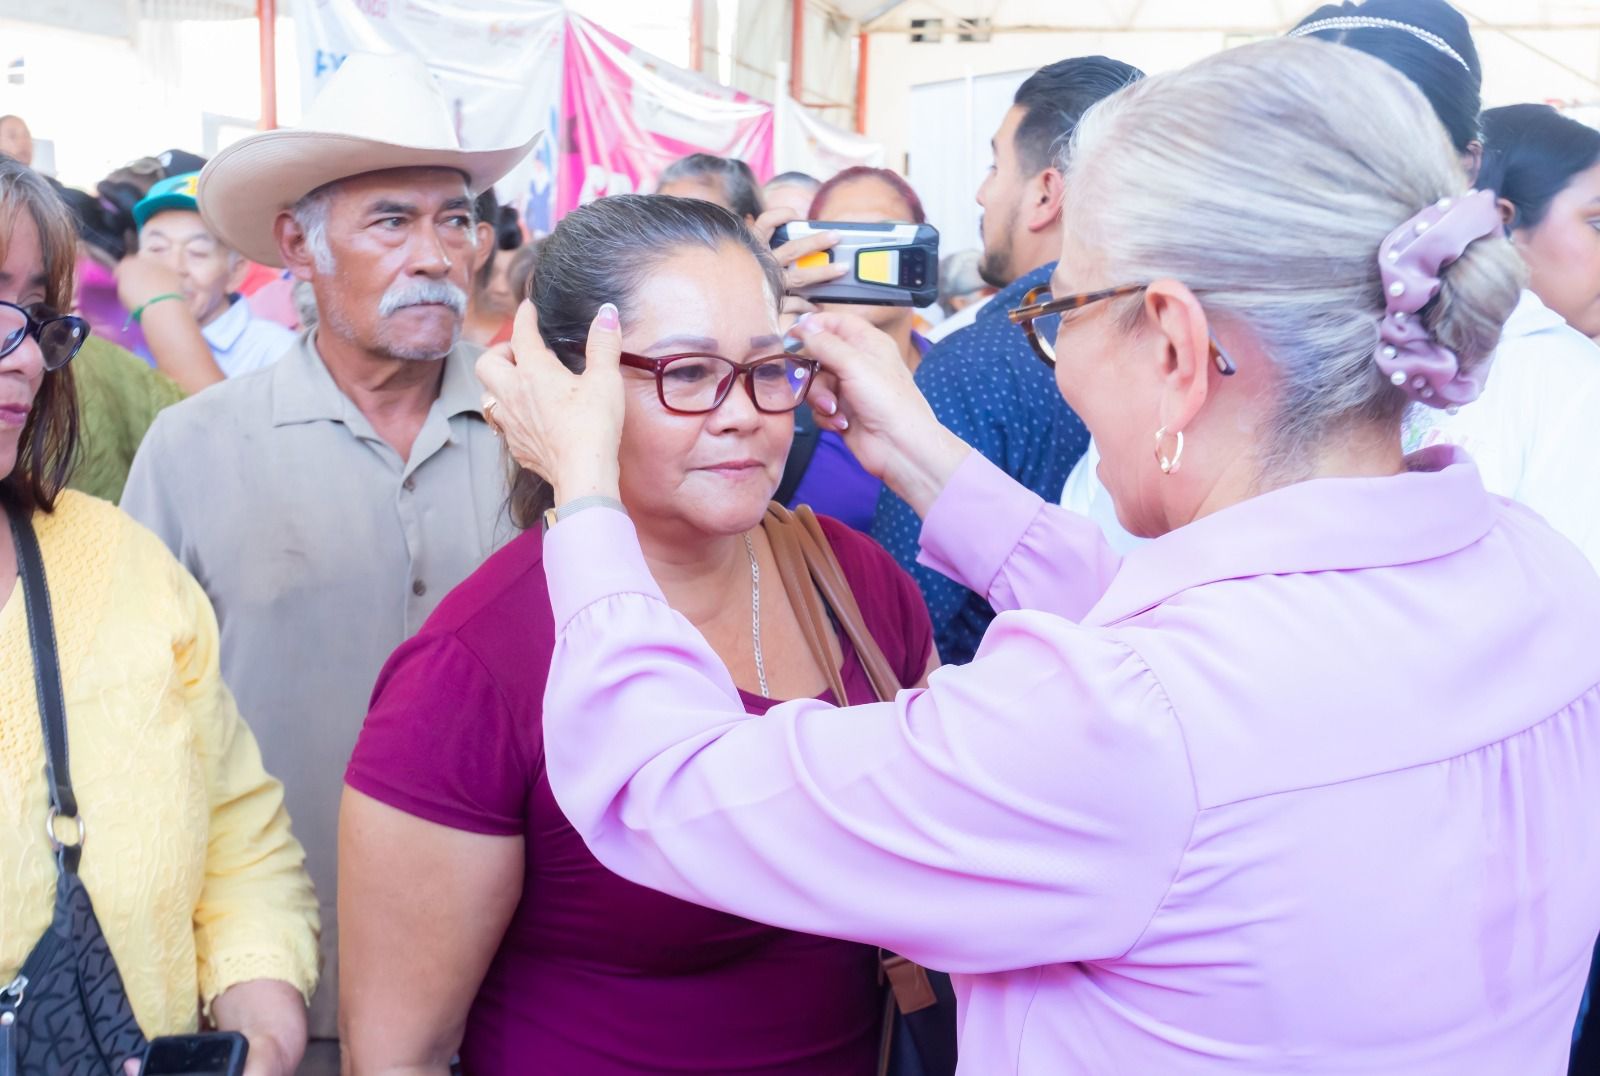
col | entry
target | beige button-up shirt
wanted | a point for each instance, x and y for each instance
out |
(322, 550)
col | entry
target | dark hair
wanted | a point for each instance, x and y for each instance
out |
(48, 446)
(97, 225)
(1455, 92)
(1056, 96)
(1530, 154)
(177, 162)
(738, 182)
(892, 180)
(507, 231)
(604, 252)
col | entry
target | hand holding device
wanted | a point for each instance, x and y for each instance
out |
(887, 264)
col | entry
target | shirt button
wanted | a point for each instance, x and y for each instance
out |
(409, 484)
(419, 588)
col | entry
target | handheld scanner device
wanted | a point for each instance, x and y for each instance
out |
(892, 264)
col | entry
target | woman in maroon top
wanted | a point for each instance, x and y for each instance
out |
(475, 920)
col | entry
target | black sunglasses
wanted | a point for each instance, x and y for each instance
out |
(59, 336)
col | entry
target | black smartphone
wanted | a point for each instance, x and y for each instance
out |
(217, 1053)
(890, 264)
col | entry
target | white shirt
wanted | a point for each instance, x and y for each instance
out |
(243, 343)
(1086, 495)
(1531, 433)
(958, 321)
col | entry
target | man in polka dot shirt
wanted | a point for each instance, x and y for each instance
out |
(984, 381)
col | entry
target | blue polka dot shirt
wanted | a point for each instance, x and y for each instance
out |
(986, 384)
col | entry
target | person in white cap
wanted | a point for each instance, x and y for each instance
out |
(328, 502)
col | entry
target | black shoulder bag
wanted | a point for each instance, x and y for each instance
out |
(66, 1012)
(806, 436)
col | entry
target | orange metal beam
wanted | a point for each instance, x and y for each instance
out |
(797, 50)
(862, 44)
(267, 18)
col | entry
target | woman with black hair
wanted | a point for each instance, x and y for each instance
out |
(539, 960)
(1430, 43)
(492, 303)
(1545, 168)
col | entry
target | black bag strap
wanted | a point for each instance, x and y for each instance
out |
(47, 684)
(804, 446)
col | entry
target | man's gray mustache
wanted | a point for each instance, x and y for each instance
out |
(420, 292)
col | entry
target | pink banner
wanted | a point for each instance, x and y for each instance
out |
(628, 115)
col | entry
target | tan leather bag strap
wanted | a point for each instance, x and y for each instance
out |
(836, 592)
(783, 535)
(807, 563)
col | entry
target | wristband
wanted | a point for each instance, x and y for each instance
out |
(138, 311)
(553, 516)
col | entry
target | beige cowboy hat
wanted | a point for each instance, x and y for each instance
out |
(378, 111)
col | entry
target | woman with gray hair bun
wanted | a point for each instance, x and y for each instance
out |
(1305, 784)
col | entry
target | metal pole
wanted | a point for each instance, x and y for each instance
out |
(797, 50)
(697, 29)
(267, 18)
(862, 41)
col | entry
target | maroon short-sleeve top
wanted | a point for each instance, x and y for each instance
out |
(596, 975)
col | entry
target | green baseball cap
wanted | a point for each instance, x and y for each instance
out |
(174, 192)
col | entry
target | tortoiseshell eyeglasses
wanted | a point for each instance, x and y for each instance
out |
(1040, 316)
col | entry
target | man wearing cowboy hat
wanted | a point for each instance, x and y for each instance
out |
(328, 502)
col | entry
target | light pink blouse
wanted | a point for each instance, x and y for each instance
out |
(1311, 785)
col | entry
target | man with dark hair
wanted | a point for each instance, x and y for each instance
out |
(1021, 198)
(726, 181)
(984, 381)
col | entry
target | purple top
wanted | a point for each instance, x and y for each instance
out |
(1305, 786)
(835, 484)
(597, 975)
(97, 303)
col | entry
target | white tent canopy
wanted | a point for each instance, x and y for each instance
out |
(1226, 16)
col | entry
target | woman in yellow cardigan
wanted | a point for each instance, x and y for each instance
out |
(197, 882)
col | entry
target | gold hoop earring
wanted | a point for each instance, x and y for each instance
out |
(1169, 465)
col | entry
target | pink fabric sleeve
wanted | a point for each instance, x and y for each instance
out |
(1026, 555)
(1048, 779)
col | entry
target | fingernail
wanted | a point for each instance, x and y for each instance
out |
(802, 325)
(830, 407)
(607, 318)
(844, 423)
